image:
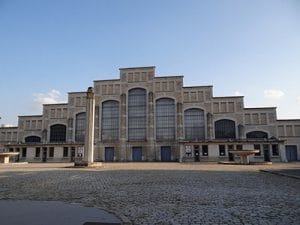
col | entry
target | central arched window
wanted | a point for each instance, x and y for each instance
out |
(137, 114)
(80, 127)
(32, 139)
(165, 119)
(58, 133)
(225, 129)
(257, 135)
(110, 120)
(194, 124)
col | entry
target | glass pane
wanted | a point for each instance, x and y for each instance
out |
(194, 124)
(165, 119)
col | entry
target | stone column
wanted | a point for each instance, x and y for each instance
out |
(241, 131)
(179, 122)
(209, 126)
(123, 147)
(151, 148)
(89, 127)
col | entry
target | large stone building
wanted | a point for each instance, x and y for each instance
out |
(143, 117)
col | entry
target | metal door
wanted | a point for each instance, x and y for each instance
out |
(109, 154)
(44, 158)
(165, 152)
(72, 154)
(196, 153)
(291, 152)
(266, 149)
(136, 153)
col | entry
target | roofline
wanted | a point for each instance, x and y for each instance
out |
(56, 104)
(203, 86)
(171, 76)
(142, 67)
(106, 80)
(229, 96)
(288, 120)
(31, 116)
(262, 108)
(76, 92)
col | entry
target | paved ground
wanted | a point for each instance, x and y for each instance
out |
(20, 212)
(165, 193)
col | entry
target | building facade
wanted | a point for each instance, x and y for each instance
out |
(143, 117)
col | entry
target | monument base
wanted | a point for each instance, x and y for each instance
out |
(86, 164)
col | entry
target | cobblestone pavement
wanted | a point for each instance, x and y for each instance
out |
(164, 193)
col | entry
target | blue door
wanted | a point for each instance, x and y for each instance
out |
(136, 153)
(109, 154)
(165, 153)
(291, 152)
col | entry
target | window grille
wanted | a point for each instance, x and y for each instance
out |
(137, 114)
(257, 135)
(110, 120)
(194, 124)
(58, 133)
(225, 129)
(32, 139)
(80, 127)
(165, 119)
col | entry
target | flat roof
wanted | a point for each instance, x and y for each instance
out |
(199, 86)
(107, 80)
(142, 67)
(56, 104)
(31, 116)
(262, 108)
(229, 96)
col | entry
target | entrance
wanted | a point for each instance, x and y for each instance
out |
(230, 155)
(165, 153)
(72, 154)
(266, 149)
(109, 154)
(44, 157)
(196, 153)
(291, 152)
(136, 153)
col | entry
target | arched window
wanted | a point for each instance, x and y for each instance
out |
(165, 119)
(32, 139)
(80, 127)
(225, 129)
(58, 133)
(257, 135)
(137, 114)
(194, 124)
(110, 120)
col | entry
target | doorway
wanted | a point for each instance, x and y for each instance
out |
(196, 153)
(44, 157)
(266, 149)
(136, 154)
(109, 154)
(165, 153)
(291, 152)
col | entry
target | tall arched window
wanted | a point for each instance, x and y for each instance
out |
(194, 125)
(225, 129)
(165, 119)
(32, 139)
(58, 133)
(137, 114)
(257, 135)
(110, 120)
(80, 127)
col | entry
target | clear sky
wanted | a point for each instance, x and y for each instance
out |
(49, 48)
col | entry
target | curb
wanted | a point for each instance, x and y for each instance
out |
(280, 174)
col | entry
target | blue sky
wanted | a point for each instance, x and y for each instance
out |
(49, 48)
